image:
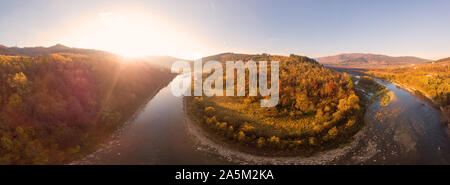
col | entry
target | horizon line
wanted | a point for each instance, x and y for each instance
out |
(251, 53)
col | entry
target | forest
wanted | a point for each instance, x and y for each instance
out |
(431, 79)
(57, 107)
(318, 109)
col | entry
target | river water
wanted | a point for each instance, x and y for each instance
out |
(157, 136)
(406, 131)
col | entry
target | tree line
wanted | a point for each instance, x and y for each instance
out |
(58, 107)
(432, 79)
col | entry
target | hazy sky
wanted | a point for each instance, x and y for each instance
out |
(191, 29)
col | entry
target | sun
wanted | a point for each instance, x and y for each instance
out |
(137, 34)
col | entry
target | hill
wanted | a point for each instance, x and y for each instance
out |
(56, 107)
(368, 60)
(39, 51)
(317, 109)
(223, 57)
(444, 60)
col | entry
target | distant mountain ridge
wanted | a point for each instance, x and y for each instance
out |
(443, 60)
(37, 51)
(222, 57)
(161, 61)
(367, 60)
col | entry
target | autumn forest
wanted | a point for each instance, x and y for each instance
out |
(58, 107)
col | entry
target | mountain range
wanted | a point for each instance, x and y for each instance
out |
(341, 60)
(161, 61)
(37, 51)
(368, 60)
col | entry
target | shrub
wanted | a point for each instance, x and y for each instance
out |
(211, 120)
(261, 141)
(333, 132)
(210, 111)
(241, 136)
(274, 140)
(350, 123)
(312, 141)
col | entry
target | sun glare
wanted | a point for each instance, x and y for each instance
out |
(134, 34)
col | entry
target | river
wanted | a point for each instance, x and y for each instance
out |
(406, 131)
(157, 135)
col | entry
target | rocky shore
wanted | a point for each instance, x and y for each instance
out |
(204, 143)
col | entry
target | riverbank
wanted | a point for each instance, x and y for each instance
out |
(388, 138)
(111, 141)
(445, 113)
(430, 81)
(393, 134)
(204, 142)
(210, 141)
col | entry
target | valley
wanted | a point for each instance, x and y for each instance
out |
(391, 133)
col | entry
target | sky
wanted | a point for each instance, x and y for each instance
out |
(191, 29)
